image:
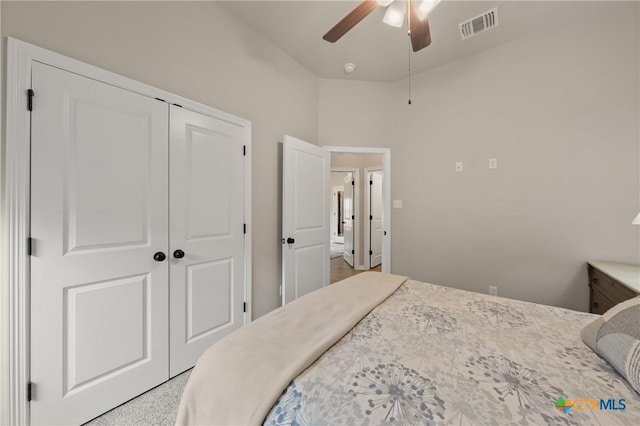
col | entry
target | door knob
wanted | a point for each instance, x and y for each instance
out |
(159, 256)
(178, 254)
(290, 240)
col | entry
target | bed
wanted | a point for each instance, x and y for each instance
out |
(382, 349)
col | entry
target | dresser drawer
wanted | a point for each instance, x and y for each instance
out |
(599, 303)
(611, 283)
(614, 291)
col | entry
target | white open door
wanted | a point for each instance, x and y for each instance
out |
(305, 218)
(349, 250)
(375, 218)
(207, 234)
(99, 288)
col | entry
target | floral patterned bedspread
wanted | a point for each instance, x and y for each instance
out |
(436, 355)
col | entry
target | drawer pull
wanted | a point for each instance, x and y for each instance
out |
(595, 305)
(595, 281)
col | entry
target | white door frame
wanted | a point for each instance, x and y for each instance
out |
(14, 281)
(367, 213)
(386, 194)
(355, 226)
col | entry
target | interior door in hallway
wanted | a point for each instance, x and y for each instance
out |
(375, 218)
(207, 233)
(99, 226)
(349, 250)
(305, 218)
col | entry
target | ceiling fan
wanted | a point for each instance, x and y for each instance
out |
(415, 10)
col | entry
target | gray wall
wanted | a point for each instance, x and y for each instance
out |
(200, 51)
(337, 179)
(559, 109)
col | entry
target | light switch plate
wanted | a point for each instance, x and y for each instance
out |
(458, 166)
(493, 163)
(397, 204)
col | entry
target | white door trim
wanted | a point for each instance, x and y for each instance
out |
(386, 193)
(14, 282)
(367, 213)
(356, 210)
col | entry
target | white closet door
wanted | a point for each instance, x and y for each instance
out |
(348, 219)
(207, 235)
(98, 215)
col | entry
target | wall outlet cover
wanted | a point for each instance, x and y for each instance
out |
(459, 167)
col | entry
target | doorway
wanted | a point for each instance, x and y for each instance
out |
(306, 210)
(337, 211)
(356, 169)
(345, 182)
(339, 205)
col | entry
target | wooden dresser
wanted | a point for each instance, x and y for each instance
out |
(610, 284)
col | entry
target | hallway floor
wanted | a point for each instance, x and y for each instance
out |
(341, 270)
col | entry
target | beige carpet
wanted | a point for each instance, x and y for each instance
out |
(158, 406)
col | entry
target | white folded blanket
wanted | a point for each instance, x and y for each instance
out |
(238, 379)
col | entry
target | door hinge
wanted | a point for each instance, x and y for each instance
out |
(30, 94)
(29, 246)
(161, 100)
(244, 228)
(179, 106)
(370, 217)
(353, 182)
(244, 150)
(370, 252)
(370, 182)
(244, 307)
(353, 217)
(29, 391)
(353, 252)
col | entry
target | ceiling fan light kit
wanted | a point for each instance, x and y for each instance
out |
(395, 14)
(415, 10)
(425, 7)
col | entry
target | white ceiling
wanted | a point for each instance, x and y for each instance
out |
(381, 52)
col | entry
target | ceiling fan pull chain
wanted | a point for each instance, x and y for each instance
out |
(409, 68)
(409, 34)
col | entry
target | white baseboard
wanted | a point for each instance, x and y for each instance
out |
(362, 268)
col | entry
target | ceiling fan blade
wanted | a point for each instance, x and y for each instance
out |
(420, 33)
(356, 15)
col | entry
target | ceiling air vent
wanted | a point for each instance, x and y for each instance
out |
(479, 24)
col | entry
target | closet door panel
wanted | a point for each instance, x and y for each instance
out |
(99, 302)
(210, 204)
(206, 223)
